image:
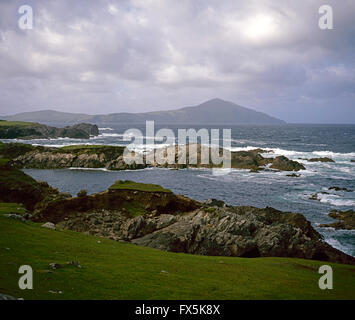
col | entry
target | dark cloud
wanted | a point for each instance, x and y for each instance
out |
(107, 56)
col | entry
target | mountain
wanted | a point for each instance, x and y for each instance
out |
(215, 111)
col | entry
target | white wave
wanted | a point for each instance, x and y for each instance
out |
(335, 200)
(116, 135)
(89, 169)
(337, 245)
(106, 129)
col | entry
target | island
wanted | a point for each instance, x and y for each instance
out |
(33, 130)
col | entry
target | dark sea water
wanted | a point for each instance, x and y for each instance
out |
(239, 187)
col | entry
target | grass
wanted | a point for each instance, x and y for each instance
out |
(131, 185)
(4, 162)
(7, 207)
(5, 123)
(113, 270)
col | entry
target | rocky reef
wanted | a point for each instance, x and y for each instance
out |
(111, 158)
(346, 220)
(31, 130)
(322, 159)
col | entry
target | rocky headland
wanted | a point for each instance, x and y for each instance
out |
(149, 215)
(32, 130)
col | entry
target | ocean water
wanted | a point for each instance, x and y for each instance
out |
(239, 187)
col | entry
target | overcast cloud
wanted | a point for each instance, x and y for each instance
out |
(107, 56)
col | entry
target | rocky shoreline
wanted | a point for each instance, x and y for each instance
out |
(170, 222)
(152, 216)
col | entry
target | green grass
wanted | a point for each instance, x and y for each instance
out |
(3, 162)
(131, 185)
(113, 270)
(18, 124)
(7, 207)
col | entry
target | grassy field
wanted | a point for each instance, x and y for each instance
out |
(114, 270)
(131, 185)
(5, 123)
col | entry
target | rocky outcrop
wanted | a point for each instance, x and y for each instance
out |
(251, 159)
(322, 159)
(111, 158)
(243, 232)
(170, 222)
(28, 130)
(129, 202)
(346, 220)
(340, 189)
(81, 156)
(16, 186)
(284, 164)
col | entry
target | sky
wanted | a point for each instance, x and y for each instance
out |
(107, 56)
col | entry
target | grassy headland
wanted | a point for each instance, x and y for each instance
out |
(114, 270)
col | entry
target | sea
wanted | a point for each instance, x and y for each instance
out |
(240, 187)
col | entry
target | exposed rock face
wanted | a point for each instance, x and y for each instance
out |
(346, 220)
(243, 232)
(169, 222)
(26, 130)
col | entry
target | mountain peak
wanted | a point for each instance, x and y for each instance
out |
(214, 111)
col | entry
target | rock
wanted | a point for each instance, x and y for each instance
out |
(293, 175)
(285, 164)
(340, 189)
(6, 297)
(179, 224)
(346, 220)
(243, 232)
(15, 216)
(314, 197)
(214, 203)
(352, 160)
(55, 266)
(49, 225)
(323, 159)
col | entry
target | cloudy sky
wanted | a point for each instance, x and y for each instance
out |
(108, 56)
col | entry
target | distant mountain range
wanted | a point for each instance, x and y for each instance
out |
(215, 111)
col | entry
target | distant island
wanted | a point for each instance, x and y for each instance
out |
(33, 130)
(215, 111)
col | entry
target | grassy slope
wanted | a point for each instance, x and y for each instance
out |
(18, 124)
(131, 185)
(113, 270)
